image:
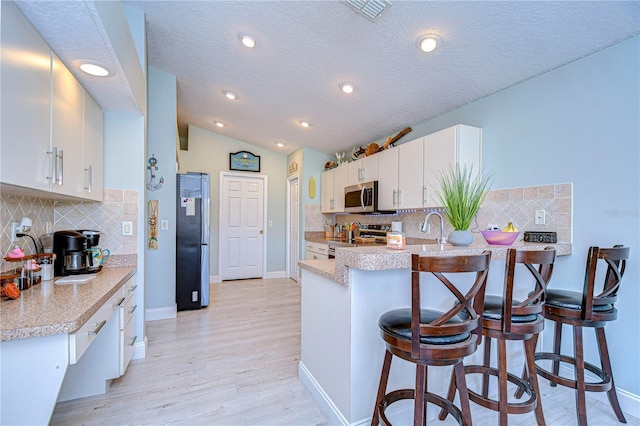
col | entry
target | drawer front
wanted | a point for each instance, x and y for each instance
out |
(127, 341)
(81, 339)
(322, 249)
(128, 310)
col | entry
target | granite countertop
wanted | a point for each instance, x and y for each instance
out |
(379, 258)
(48, 308)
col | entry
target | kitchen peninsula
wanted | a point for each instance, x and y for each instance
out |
(342, 299)
(55, 333)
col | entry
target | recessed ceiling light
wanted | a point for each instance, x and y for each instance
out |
(428, 42)
(94, 69)
(230, 95)
(346, 87)
(248, 41)
(304, 123)
(219, 123)
(279, 144)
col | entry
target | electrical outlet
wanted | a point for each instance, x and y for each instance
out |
(540, 218)
(15, 227)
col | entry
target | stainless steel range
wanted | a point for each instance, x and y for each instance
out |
(377, 232)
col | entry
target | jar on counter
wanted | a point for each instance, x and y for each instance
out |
(396, 240)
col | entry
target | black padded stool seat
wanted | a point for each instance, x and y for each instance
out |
(398, 323)
(589, 308)
(506, 318)
(428, 337)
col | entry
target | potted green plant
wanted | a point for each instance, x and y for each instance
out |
(461, 194)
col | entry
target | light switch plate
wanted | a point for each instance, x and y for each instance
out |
(164, 225)
(127, 228)
(540, 217)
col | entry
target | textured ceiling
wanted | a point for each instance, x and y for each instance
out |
(305, 49)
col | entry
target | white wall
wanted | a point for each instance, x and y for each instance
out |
(209, 153)
(578, 123)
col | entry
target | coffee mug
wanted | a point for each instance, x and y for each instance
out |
(98, 256)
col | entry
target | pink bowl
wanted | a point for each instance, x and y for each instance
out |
(499, 237)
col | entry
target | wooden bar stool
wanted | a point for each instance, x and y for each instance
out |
(506, 318)
(586, 309)
(429, 337)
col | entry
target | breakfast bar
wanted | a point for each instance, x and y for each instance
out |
(342, 299)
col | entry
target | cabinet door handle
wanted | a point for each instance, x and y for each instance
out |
(98, 328)
(61, 168)
(133, 309)
(89, 171)
(399, 197)
(119, 302)
(425, 195)
(54, 164)
(394, 197)
(133, 340)
(133, 288)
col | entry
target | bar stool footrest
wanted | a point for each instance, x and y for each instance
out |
(512, 407)
(603, 386)
(401, 394)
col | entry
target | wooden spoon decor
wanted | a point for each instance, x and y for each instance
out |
(391, 140)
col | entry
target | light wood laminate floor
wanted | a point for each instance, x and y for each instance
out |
(235, 363)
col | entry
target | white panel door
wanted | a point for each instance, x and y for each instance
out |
(294, 223)
(242, 232)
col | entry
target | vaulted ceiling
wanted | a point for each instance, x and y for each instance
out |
(306, 49)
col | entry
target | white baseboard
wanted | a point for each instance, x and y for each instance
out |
(166, 312)
(325, 404)
(629, 402)
(214, 279)
(140, 349)
(275, 274)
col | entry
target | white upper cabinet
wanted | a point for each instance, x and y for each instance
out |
(26, 102)
(363, 170)
(93, 149)
(401, 175)
(50, 138)
(67, 131)
(332, 189)
(457, 144)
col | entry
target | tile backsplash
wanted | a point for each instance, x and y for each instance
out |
(517, 205)
(106, 216)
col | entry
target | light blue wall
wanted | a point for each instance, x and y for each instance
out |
(209, 153)
(310, 164)
(162, 134)
(580, 124)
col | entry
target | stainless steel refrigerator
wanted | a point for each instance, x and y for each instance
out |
(192, 241)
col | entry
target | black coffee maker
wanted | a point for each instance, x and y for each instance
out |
(70, 248)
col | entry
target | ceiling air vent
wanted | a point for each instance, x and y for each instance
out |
(371, 9)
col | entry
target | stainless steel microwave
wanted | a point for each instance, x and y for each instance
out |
(361, 198)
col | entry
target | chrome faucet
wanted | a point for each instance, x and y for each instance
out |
(425, 227)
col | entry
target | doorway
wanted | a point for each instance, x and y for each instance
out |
(242, 243)
(293, 226)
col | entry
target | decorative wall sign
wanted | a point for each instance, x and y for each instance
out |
(153, 225)
(312, 187)
(293, 167)
(244, 161)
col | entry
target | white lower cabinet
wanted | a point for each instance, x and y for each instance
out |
(316, 251)
(127, 325)
(102, 348)
(96, 361)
